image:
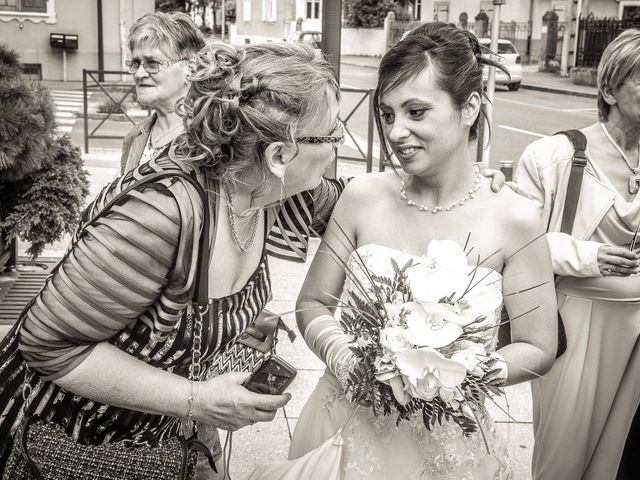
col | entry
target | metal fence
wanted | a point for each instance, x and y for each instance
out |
(518, 33)
(397, 29)
(116, 93)
(595, 34)
(364, 100)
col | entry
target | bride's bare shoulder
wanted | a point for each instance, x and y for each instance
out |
(522, 217)
(372, 185)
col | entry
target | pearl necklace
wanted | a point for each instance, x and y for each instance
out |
(440, 208)
(243, 246)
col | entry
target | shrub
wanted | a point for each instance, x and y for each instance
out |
(366, 13)
(109, 107)
(42, 181)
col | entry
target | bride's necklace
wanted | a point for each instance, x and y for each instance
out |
(243, 246)
(158, 140)
(634, 178)
(440, 208)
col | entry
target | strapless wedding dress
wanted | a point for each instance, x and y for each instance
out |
(375, 448)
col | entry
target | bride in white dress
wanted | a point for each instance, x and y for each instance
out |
(428, 100)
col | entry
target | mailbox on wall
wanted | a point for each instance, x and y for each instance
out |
(71, 42)
(63, 40)
(56, 40)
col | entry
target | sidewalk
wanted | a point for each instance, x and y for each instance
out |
(265, 442)
(532, 79)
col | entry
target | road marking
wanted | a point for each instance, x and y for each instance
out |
(65, 121)
(66, 103)
(342, 85)
(67, 92)
(581, 110)
(64, 114)
(577, 111)
(526, 132)
(67, 108)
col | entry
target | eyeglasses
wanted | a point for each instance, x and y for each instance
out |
(337, 140)
(151, 66)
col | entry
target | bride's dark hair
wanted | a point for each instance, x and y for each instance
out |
(456, 56)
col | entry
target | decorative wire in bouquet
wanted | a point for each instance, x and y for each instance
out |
(421, 337)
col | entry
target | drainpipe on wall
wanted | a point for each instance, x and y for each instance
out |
(575, 43)
(122, 21)
(331, 35)
(530, 32)
(100, 43)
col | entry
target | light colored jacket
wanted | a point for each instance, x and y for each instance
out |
(543, 171)
(134, 143)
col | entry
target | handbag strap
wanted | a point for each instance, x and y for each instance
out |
(574, 186)
(201, 287)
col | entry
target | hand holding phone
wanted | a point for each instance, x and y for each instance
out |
(272, 377)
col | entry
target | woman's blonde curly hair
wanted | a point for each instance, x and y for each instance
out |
(242, 99)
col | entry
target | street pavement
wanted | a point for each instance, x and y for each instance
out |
(519, 118)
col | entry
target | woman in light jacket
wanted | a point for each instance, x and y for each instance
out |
(584, 406)
(161, 45)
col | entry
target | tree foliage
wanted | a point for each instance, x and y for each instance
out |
(366, 13)
(371, 13)
(42, 181)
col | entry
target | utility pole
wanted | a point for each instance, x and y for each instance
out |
(224, 17)
(491, 82)
(122, 22)
(100, 43)
(331, 31)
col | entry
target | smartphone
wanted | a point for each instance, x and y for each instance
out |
(272, 377)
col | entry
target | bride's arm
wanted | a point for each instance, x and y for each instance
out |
(323, 285)
(528, 264)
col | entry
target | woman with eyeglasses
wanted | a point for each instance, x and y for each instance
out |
(161, 45)
(109, 340)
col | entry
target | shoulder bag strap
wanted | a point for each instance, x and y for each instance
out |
(574, 186)
(202, 279)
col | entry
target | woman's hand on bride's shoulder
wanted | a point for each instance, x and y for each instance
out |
(498, 180)
(519, 190)
(497, 177)
(223, 402)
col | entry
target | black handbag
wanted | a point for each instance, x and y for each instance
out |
(574, 186)
(44, 451)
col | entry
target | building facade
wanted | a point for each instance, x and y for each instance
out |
(26, 26)
(259, 21)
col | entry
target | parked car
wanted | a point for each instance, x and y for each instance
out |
(509, 57)
(305, 36)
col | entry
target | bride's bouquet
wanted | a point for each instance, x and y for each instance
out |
(420, 336)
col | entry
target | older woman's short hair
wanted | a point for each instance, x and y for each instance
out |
(175, 33)
(620, 60)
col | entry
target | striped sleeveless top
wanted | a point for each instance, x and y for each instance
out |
(126, 280)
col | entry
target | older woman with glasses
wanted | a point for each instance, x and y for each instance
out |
(583, 408)
(161, 45)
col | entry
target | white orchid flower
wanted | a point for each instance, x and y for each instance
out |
(430, 365)
(427, 330)
(480, 300)
(441, 272)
